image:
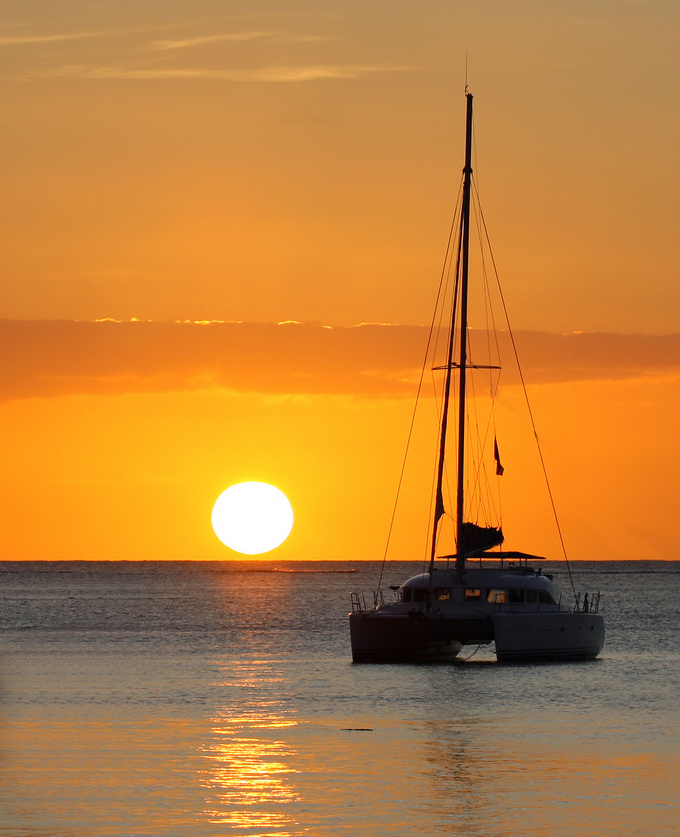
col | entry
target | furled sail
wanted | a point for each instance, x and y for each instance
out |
(474, 538)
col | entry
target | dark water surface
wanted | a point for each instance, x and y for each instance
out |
(207, 699)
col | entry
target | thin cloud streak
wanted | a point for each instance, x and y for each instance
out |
(278, 37)
(262, 74)
(20, 40)
(210, 39)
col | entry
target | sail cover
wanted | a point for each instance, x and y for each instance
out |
(474, 538)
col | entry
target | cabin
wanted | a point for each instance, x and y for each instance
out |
(522, 587)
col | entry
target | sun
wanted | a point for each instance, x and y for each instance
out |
(252, 517)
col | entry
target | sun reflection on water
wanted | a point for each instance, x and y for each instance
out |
(248, 780)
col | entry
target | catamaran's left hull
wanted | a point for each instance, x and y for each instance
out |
(380, 636)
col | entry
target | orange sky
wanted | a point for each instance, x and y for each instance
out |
(261, 162)
(118, 437)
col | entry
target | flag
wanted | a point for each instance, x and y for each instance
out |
(439, 506)
(497, 458)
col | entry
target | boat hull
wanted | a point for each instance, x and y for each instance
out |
(526, 637)
(417, 636)
(380, 636)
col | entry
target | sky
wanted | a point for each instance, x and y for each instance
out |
(206, 205)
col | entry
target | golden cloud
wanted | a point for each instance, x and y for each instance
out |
(49, 358)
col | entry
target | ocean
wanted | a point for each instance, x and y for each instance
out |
(205, 699)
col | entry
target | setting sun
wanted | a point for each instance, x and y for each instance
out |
(252, 517)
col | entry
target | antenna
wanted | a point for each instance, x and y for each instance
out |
(466, 72)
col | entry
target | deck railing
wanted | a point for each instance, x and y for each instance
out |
(359, 601)
(589, 604)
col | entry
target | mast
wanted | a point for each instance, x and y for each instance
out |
(465, 246)
(462, 366)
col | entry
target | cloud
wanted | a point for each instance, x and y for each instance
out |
(51, 358)
(187, 43)
(311, 72)
(19, 40)
(210, 39)
(79, 71)
(262, 74)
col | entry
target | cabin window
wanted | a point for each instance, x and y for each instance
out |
(406, 594)
(544, 596)
(532, 595)
(419, 594)
(473, 594)
(497, 596)
(442, 594)
(515, 596)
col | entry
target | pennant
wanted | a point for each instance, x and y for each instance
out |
(497, 458)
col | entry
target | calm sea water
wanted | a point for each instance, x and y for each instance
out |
(206, 699)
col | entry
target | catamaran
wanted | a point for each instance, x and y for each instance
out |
(480, 594)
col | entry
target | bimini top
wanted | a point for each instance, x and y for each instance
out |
(495, 556)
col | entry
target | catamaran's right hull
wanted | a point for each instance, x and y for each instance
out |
(524, 637)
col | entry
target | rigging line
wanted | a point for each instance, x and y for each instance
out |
(485, 507)
(494, 386)
(446, 309)
(433, 530)
(440, 310)
(481, 486)
(481, 224)
(418, 391)
(430, 516)
(444, 283)
(499, 496)
(491, 330)
(477, 445)
(441, 467)
(473, 436)
(528, 403)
